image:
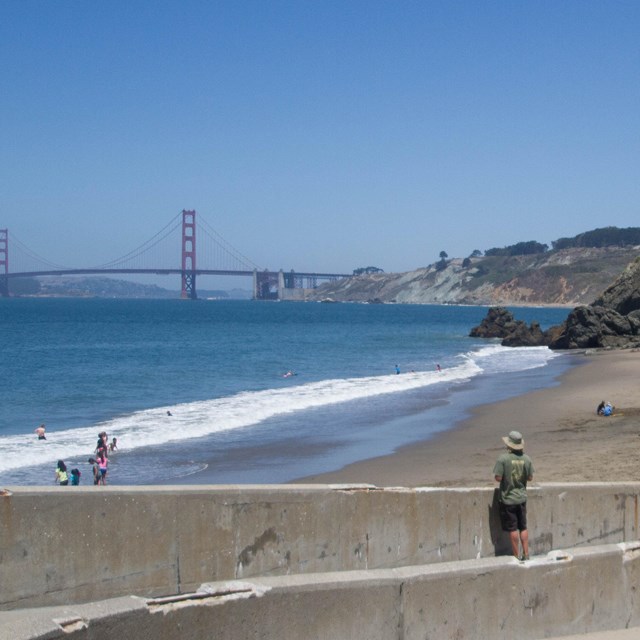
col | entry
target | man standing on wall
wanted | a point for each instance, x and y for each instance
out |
(513, 470)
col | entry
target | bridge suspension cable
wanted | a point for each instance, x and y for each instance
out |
(215, 253)
(30, 253)
(229, 249)
(166, 231)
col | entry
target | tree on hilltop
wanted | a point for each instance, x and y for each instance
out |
(442, 263)
(519, 249)
(362, 270)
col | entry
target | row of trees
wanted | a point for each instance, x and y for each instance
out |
(605, 237)
(519, 249)
(362, 270)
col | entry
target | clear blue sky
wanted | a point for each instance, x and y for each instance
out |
(318, 135)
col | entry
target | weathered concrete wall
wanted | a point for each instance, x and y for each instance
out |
(297, 295)
(589, 589)
(60, 545)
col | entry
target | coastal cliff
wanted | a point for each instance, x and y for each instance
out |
(612, 321)
(567, 277)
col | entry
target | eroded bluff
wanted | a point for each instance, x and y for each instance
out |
(612, 321)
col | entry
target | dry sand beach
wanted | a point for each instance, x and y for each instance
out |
(566, 439)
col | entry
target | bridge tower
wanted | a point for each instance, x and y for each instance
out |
(189, 255)
(4, 262)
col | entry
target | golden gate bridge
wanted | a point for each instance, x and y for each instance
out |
(221, 258)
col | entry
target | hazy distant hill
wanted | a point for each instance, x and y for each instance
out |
(101, 287)
(567, 276)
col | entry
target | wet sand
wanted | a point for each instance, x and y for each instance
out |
(566, 439)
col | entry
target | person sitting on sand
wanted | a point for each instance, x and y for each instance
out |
(600, 408)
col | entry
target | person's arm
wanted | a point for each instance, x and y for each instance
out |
(498, 470)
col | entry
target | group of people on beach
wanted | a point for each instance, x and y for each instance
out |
(99, 464)
(512, 470)
(62, 476)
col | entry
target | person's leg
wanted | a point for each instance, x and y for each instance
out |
(515, 543)
(524, 537)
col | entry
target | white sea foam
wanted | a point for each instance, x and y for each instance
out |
(495, 358)
(197, 419)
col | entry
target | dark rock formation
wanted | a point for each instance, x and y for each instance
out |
(596, 327)
(623, 295)
(611, 322)
(500, 323)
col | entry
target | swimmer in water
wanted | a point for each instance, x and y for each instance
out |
(40, 431)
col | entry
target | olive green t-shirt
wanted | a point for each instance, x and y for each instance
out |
(515, 470)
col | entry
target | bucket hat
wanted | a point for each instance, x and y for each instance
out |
(514, 441)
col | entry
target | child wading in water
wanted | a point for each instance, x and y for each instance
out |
(61, 474)
(103, 462)
(94, 468)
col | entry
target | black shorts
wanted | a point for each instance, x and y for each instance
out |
(513, 516)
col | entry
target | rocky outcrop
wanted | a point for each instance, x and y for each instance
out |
(611, 322)
(597, 327)
(500, 323)
(623, 295)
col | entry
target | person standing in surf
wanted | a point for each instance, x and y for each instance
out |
(513, 470)
(61, 475)
(103, 463)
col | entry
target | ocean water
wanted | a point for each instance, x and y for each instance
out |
(82, 366)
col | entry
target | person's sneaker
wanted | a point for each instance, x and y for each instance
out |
(523, 557)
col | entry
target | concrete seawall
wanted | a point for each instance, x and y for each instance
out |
(492, 598)
(61, 545)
